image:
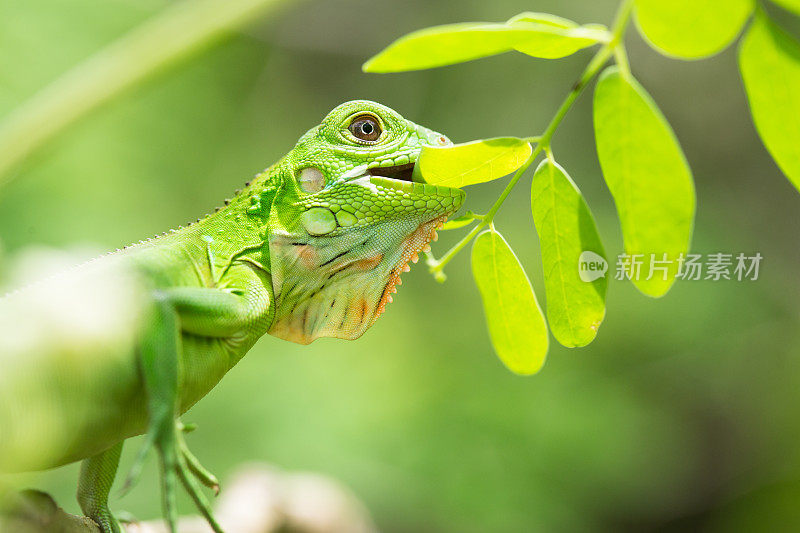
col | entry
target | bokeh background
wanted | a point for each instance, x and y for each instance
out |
(684, 414)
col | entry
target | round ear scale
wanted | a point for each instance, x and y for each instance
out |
(311, 180)
(319, 221)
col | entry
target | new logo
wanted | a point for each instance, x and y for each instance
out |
(591, 266)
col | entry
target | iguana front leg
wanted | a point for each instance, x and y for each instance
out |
(209, 312)
(200, 311)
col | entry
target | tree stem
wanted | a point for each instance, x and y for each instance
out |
(173, 34)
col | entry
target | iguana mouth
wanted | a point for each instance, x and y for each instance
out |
(396, 172)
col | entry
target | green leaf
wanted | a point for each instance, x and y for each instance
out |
(791, 5)
(569, 241)
(769, 60)
(458, 222)
(560, 42)
(691, 29)
(562, 48)
(455, 43)
(543, 18)
(516, 324)
(473, 162)
(648, 176)
(443, 45)
(551, 47)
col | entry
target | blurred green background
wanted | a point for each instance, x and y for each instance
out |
(684, 413)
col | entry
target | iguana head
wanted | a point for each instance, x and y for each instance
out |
(347, 218)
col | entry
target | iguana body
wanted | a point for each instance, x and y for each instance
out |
(312, 247)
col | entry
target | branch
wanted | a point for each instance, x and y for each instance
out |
(33, 511)
(259, 499)
(174, 34)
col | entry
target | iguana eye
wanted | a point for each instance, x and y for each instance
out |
(366, 128)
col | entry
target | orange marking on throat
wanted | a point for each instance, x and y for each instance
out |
(307, 255)
(358, 310)
(368, 263)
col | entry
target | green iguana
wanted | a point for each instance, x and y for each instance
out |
(312, 247)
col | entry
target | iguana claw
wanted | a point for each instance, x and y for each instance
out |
(177, 462)
(200, 472)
